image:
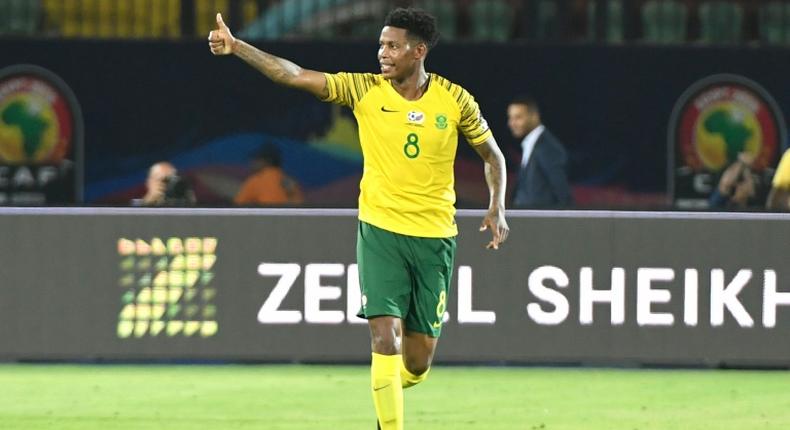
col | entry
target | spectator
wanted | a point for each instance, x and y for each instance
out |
(165, 188)
(269, 185)
(738, 185)
(779, 196)
(542, 179)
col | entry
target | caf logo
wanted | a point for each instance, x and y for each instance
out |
(716, 119)
(722, 116)
(39, 117)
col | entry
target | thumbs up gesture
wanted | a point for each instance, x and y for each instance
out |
(221, 41)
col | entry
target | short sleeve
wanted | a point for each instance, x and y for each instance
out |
(338, 86)
(782, 176)
(347, 89)
(472, 124)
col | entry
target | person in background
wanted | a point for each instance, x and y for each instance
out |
(738, 185)
(542, 178)
(164, 187)
(269, 185)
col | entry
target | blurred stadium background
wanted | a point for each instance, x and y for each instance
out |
(606, 73)
(93, 92)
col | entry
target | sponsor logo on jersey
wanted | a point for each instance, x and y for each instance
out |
(415, 117)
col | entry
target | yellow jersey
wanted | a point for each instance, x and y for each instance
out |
(409, 150)
(782, 175)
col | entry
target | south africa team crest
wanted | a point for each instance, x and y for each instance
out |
(441, 121)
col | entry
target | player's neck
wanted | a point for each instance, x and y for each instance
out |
(412, 87)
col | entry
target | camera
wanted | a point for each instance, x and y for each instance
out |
(175, 187)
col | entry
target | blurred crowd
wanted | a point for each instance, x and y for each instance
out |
(608, 21)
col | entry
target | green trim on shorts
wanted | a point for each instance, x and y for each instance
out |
(404, 276)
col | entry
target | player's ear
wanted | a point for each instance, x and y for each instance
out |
(420, 51)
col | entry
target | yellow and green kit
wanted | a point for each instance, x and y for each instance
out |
(407, 194)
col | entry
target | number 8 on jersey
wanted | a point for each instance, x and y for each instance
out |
(412, 146)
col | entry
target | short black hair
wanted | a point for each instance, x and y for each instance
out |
(416, 22)
(527, 101)
(270, 153)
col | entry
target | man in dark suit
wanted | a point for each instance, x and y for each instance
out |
(542, 179)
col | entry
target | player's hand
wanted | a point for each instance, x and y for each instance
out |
(221, 40)
(495, 221)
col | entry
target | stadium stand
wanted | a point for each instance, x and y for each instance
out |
(664, 21)
(118, 19)
(775, 23)
(548, 20)
(614, 31)
(490, 20)
(722, 22)
(606, 21)
(19, 17)
(446, 14)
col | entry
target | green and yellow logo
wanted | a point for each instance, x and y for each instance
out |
(721, 117)
(37, 117)
(29, 129)
(723, 131)
(714, 121)
(441, 121)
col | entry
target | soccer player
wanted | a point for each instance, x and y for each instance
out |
(408, 127)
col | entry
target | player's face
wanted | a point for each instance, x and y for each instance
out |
(397, 55)
(521, 120)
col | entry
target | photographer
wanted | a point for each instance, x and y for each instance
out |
(165, 188)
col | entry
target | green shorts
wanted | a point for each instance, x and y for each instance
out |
(404, 276)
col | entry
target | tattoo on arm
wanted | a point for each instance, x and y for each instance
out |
(495, 173)
(275, 68)
(282, 71)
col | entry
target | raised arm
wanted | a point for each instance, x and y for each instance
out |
(496, 180)
(279, 70)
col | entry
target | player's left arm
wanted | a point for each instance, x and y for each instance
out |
(497, 182)
(779, 197)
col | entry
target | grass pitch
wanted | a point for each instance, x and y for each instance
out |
(88, 397)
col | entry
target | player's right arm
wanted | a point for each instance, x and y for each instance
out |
(281, 71)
